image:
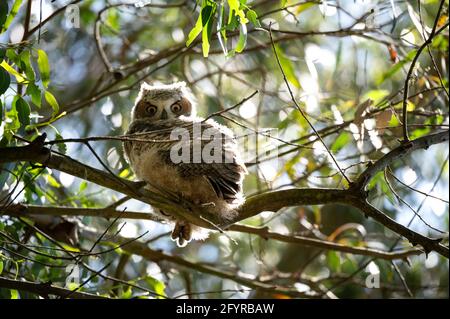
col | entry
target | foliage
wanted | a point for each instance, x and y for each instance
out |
(239, 15)
(346, 65)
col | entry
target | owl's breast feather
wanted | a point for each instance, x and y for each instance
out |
(219, 183)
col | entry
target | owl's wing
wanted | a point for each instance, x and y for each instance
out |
(225, 176)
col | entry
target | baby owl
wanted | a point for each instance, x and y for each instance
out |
(175, 158)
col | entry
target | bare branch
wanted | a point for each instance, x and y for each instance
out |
(44, 289)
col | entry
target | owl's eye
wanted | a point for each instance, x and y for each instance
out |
(176, 107)
(151, 110)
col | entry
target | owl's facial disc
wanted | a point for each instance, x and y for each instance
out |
(145, 109)
(163, 109)
(162, 102)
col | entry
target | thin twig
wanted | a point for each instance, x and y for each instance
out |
(300, 109)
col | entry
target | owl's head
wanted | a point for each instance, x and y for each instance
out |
(161, 102)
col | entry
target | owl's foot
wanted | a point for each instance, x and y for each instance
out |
(182, 233)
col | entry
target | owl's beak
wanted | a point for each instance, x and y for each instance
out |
(164, 115)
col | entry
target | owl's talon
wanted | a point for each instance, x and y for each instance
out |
(181, 242)
(181, 234)
(175, 232)
(186, 232)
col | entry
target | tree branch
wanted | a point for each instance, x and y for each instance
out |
(401, 151)
(269, 201)
(414, 238)
(411, 68)
(141, 249)
(45, 289)
(20, 210)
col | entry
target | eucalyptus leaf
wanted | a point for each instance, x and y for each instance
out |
(14, 10)
(44, 67)
(2, 53)
(19, 77)
(287, 66)
(50, 98)
(3, 14)
(23, 111)
(5, 80)
(35, 93)
(207, 13)
(240, 46)
(26, 66)
(253, 17)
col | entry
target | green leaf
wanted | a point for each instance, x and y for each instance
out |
(377, 178)
(125, 173)
(35, 93)
(23, 111)
(333, 261)
(113, 19)
(349, 265)
(287, 66)
(3, 13)
(83, 186)
(14, 9)
(394, 121)
(52, 181)
(156, 285)
(44, 67)
(127, 293)
(14, 294)
(5, 80)
(387, 191)
(240, 46)
(12, 115)
(52, 101)
(2, 54)
(62, 147)
(195, 31)
(253, 17)
(235, 8)
(206, 14)
(19, 77)
(398, 66)
(202, 20)
(25, 65)
(12, 55)
(341, 141)
(233, 22)
(419, 133)
(376, 96)
(304, 7)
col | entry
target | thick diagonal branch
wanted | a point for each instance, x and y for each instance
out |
(269, 201)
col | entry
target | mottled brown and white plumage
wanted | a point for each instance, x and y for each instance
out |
(158, 112)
